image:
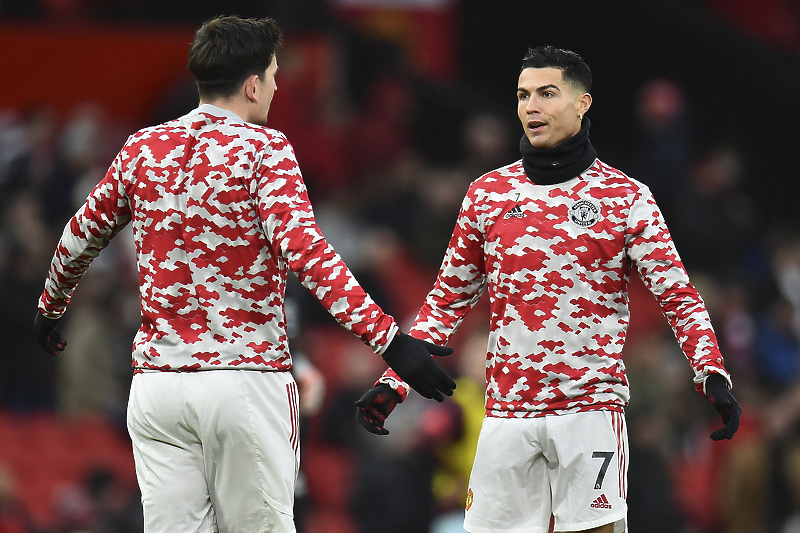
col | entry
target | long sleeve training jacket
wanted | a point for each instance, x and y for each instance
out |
(220, 215)
(556, 261)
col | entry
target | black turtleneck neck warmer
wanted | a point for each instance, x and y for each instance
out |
(560, 163)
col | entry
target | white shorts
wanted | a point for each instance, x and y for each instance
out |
(571, 466)
(215, 451)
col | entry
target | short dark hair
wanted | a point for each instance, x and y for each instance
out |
(572, 66)
(227, 50)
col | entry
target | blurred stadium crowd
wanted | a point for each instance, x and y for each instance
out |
(387, 154)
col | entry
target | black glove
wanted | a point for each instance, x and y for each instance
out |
(726, 405)
(411, 359)
(46, 334)
(375, 406)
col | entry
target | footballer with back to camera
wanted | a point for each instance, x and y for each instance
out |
(220, 215)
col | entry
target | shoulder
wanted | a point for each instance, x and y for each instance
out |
(268, 135)
(249, 133)
(499, 180)
(159, 131)
(227, 128)
(152, 143)
(261, 142)
(615, 181)
(273, 141)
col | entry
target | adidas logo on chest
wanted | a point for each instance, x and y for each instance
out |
(515, 212)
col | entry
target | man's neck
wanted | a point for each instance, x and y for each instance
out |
(231, 105)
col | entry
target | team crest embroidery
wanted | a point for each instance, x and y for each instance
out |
(584, 214)
(469, 499)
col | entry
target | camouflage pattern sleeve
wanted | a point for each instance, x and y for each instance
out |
(289, 224)
(458, 287)
(105, 212)
(653, 253)
(219, 214)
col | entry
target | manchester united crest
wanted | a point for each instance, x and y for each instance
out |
(584, 214)
(469, 499)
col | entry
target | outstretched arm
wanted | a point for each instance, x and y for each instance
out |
(457, 289)
(289, 224)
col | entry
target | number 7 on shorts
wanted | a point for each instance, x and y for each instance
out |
(606, 456)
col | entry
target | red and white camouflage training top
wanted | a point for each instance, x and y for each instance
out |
(557, 260)
(220, 214)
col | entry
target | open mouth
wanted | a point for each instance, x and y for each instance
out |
(536, 125)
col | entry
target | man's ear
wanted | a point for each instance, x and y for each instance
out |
(251, 88)
(584, 103)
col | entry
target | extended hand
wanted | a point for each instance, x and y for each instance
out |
(46, 334)
(375, 406)
(726, 405)
(411, 360)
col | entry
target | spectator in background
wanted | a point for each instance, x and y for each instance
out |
(655, 416)
(458, 424)
(27, 151)
(405, 460)
(94, 375)
(716, 221)
(27, 376)
(663, 142)
(77, 169)
(382, 130)
(116, 508)
(486, 139)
